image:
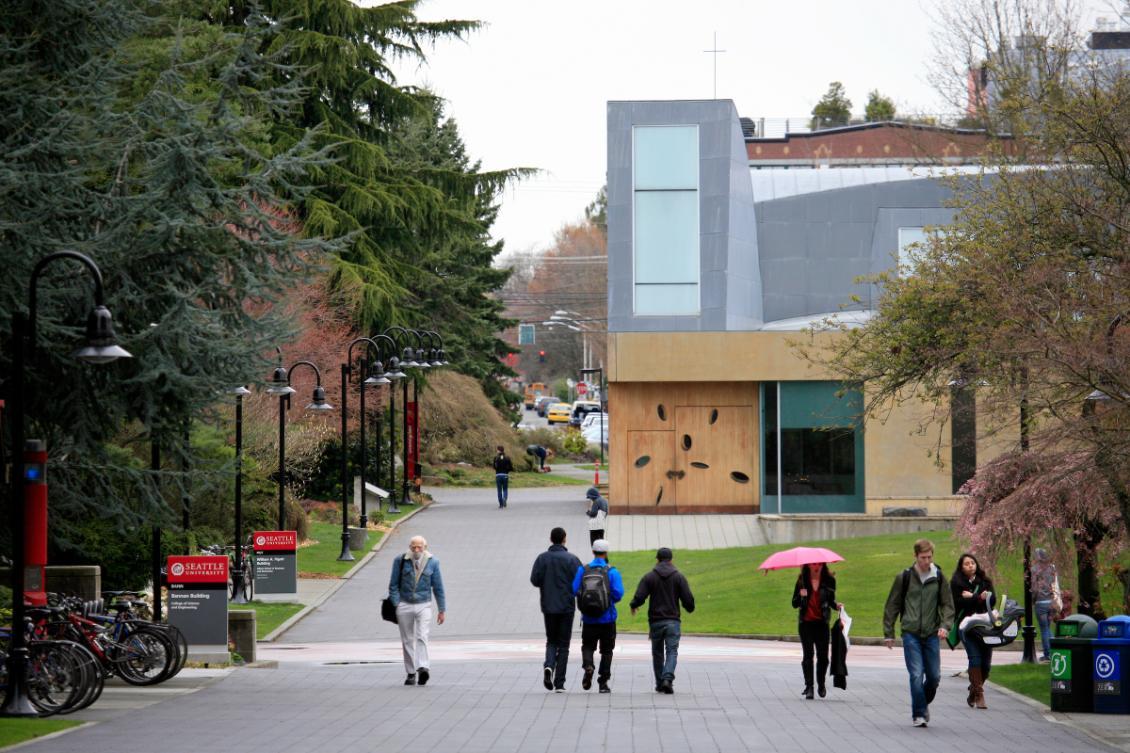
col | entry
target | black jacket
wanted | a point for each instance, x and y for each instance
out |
(965, 607)
(502, 464)
(667, 587)
(838, 667)
(827, 596)
(553, 573)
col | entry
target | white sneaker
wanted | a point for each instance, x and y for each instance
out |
(919, 721)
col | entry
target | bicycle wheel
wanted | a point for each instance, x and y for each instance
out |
(144, 657)
(56, 679)
(249, 579)
(176, 637)
(93, 679)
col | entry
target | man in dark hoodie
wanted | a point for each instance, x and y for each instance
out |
(667, 587)
(553, 574)
(597, 512)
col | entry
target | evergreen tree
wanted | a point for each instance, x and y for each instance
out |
(833, 109)
(878, 108)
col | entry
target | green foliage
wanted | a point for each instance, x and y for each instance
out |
(833, 109)
(574, 443)
(878, 108)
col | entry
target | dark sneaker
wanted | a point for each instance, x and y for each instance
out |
(604, 688)
(423, 672)
(666, 688)
(559, 690)
(808, 693)
(547, 678)
(411, 680)
(586, 681)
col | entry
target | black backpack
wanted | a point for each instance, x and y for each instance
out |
(595, 596)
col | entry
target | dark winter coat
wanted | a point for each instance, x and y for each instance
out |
(838, 666)
(553, 574)
(667, 588)
(827, 596)
(502, 464)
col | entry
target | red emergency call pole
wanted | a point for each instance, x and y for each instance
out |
(35, 523)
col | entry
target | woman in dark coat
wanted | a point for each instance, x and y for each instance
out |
(972, 590)
(814, 598)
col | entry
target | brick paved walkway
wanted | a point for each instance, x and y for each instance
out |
(338, 681)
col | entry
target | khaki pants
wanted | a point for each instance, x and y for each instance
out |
(415, 621)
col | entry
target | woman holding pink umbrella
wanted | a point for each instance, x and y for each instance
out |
(814, 598)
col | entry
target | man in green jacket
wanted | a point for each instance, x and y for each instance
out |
(921, 596)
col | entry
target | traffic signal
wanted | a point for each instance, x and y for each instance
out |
(541, 356)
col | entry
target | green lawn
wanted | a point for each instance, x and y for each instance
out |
(14, 731)
(1032, 680)
(268, 615)
(322, 556)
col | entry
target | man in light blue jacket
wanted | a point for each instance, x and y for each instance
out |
(598, 582)
(415, 578)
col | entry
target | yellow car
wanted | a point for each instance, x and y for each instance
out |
(559, 413)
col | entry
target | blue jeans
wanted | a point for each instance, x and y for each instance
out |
(1044, 618)
(979, 655)
(502, 481)
(664, 636)
(924, 664)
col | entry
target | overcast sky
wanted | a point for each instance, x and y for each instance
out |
(529, 89)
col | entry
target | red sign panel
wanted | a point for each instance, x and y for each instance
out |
(209, 569)
(413, 439)
(275, 541)
(582, 388)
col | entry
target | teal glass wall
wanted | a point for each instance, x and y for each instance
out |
(821, 463)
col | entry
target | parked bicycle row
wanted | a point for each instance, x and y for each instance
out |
(74, 646)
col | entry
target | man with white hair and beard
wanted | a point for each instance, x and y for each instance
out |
(415, 578)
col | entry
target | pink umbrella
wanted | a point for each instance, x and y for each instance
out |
(798, 556)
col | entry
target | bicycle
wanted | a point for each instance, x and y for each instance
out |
(246, 584)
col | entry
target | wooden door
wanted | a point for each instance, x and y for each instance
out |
(715, 461)
(651, 471)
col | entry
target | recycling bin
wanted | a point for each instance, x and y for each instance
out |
(1111, 651)
(1073, 688)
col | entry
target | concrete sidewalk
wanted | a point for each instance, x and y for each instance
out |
(339, 676)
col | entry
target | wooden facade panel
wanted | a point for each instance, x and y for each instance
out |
(711, 444)
(648, 486)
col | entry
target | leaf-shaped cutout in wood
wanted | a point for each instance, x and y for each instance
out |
(714, 415)
(699, 464)
(661, 411)
(643, 460)
(686, 441)
(740, 477)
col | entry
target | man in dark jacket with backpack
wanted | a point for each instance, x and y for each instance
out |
(666, 587)
(598, 587)
(553, 573)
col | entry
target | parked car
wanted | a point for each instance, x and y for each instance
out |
(559, 413)
(593, 434)
(592, 418)
(582, 408)
(543, 404)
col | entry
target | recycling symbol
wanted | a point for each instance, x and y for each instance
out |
(1104, 666)
(1059, 665)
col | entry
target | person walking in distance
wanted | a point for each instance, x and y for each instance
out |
(667, 588)
(415, 580)
(553, 574)
(972, 590)
(597, 512)
(921, 597)
(814, 598)
(598, 586)
(1045, 583)
(502, 469)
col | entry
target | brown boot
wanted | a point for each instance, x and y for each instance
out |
(969, 697)
(978, 688)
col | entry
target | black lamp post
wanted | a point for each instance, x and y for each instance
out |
(408, 360)
(373, 379)
(600, 386)
(1029, 630)
(381, 377)
(237, 595)
(280, 385)
(100, 346)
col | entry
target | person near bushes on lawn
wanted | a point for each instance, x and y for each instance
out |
(1044, 582)
(814, 598)
(972, 594)
(502, 470)
(539, 452)
(552, 574)
(415, 579)
(597, 512)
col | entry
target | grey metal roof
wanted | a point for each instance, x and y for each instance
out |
(779, 183)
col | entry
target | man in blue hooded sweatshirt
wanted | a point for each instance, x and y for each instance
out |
(598, 582)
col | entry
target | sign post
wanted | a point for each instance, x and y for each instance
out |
(198, 605)
(276, 565)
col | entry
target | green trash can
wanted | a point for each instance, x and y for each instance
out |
(1111, 652)
(1073, 688)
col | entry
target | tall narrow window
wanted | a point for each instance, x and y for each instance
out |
(665, 220)
(963, 450)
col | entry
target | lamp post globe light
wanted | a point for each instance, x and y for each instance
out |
(99, 346)
(280, 385)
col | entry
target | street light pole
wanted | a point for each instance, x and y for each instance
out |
(100, 346)
(600, 385)
(238, 596)
(280, 385)
(1029, 630)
